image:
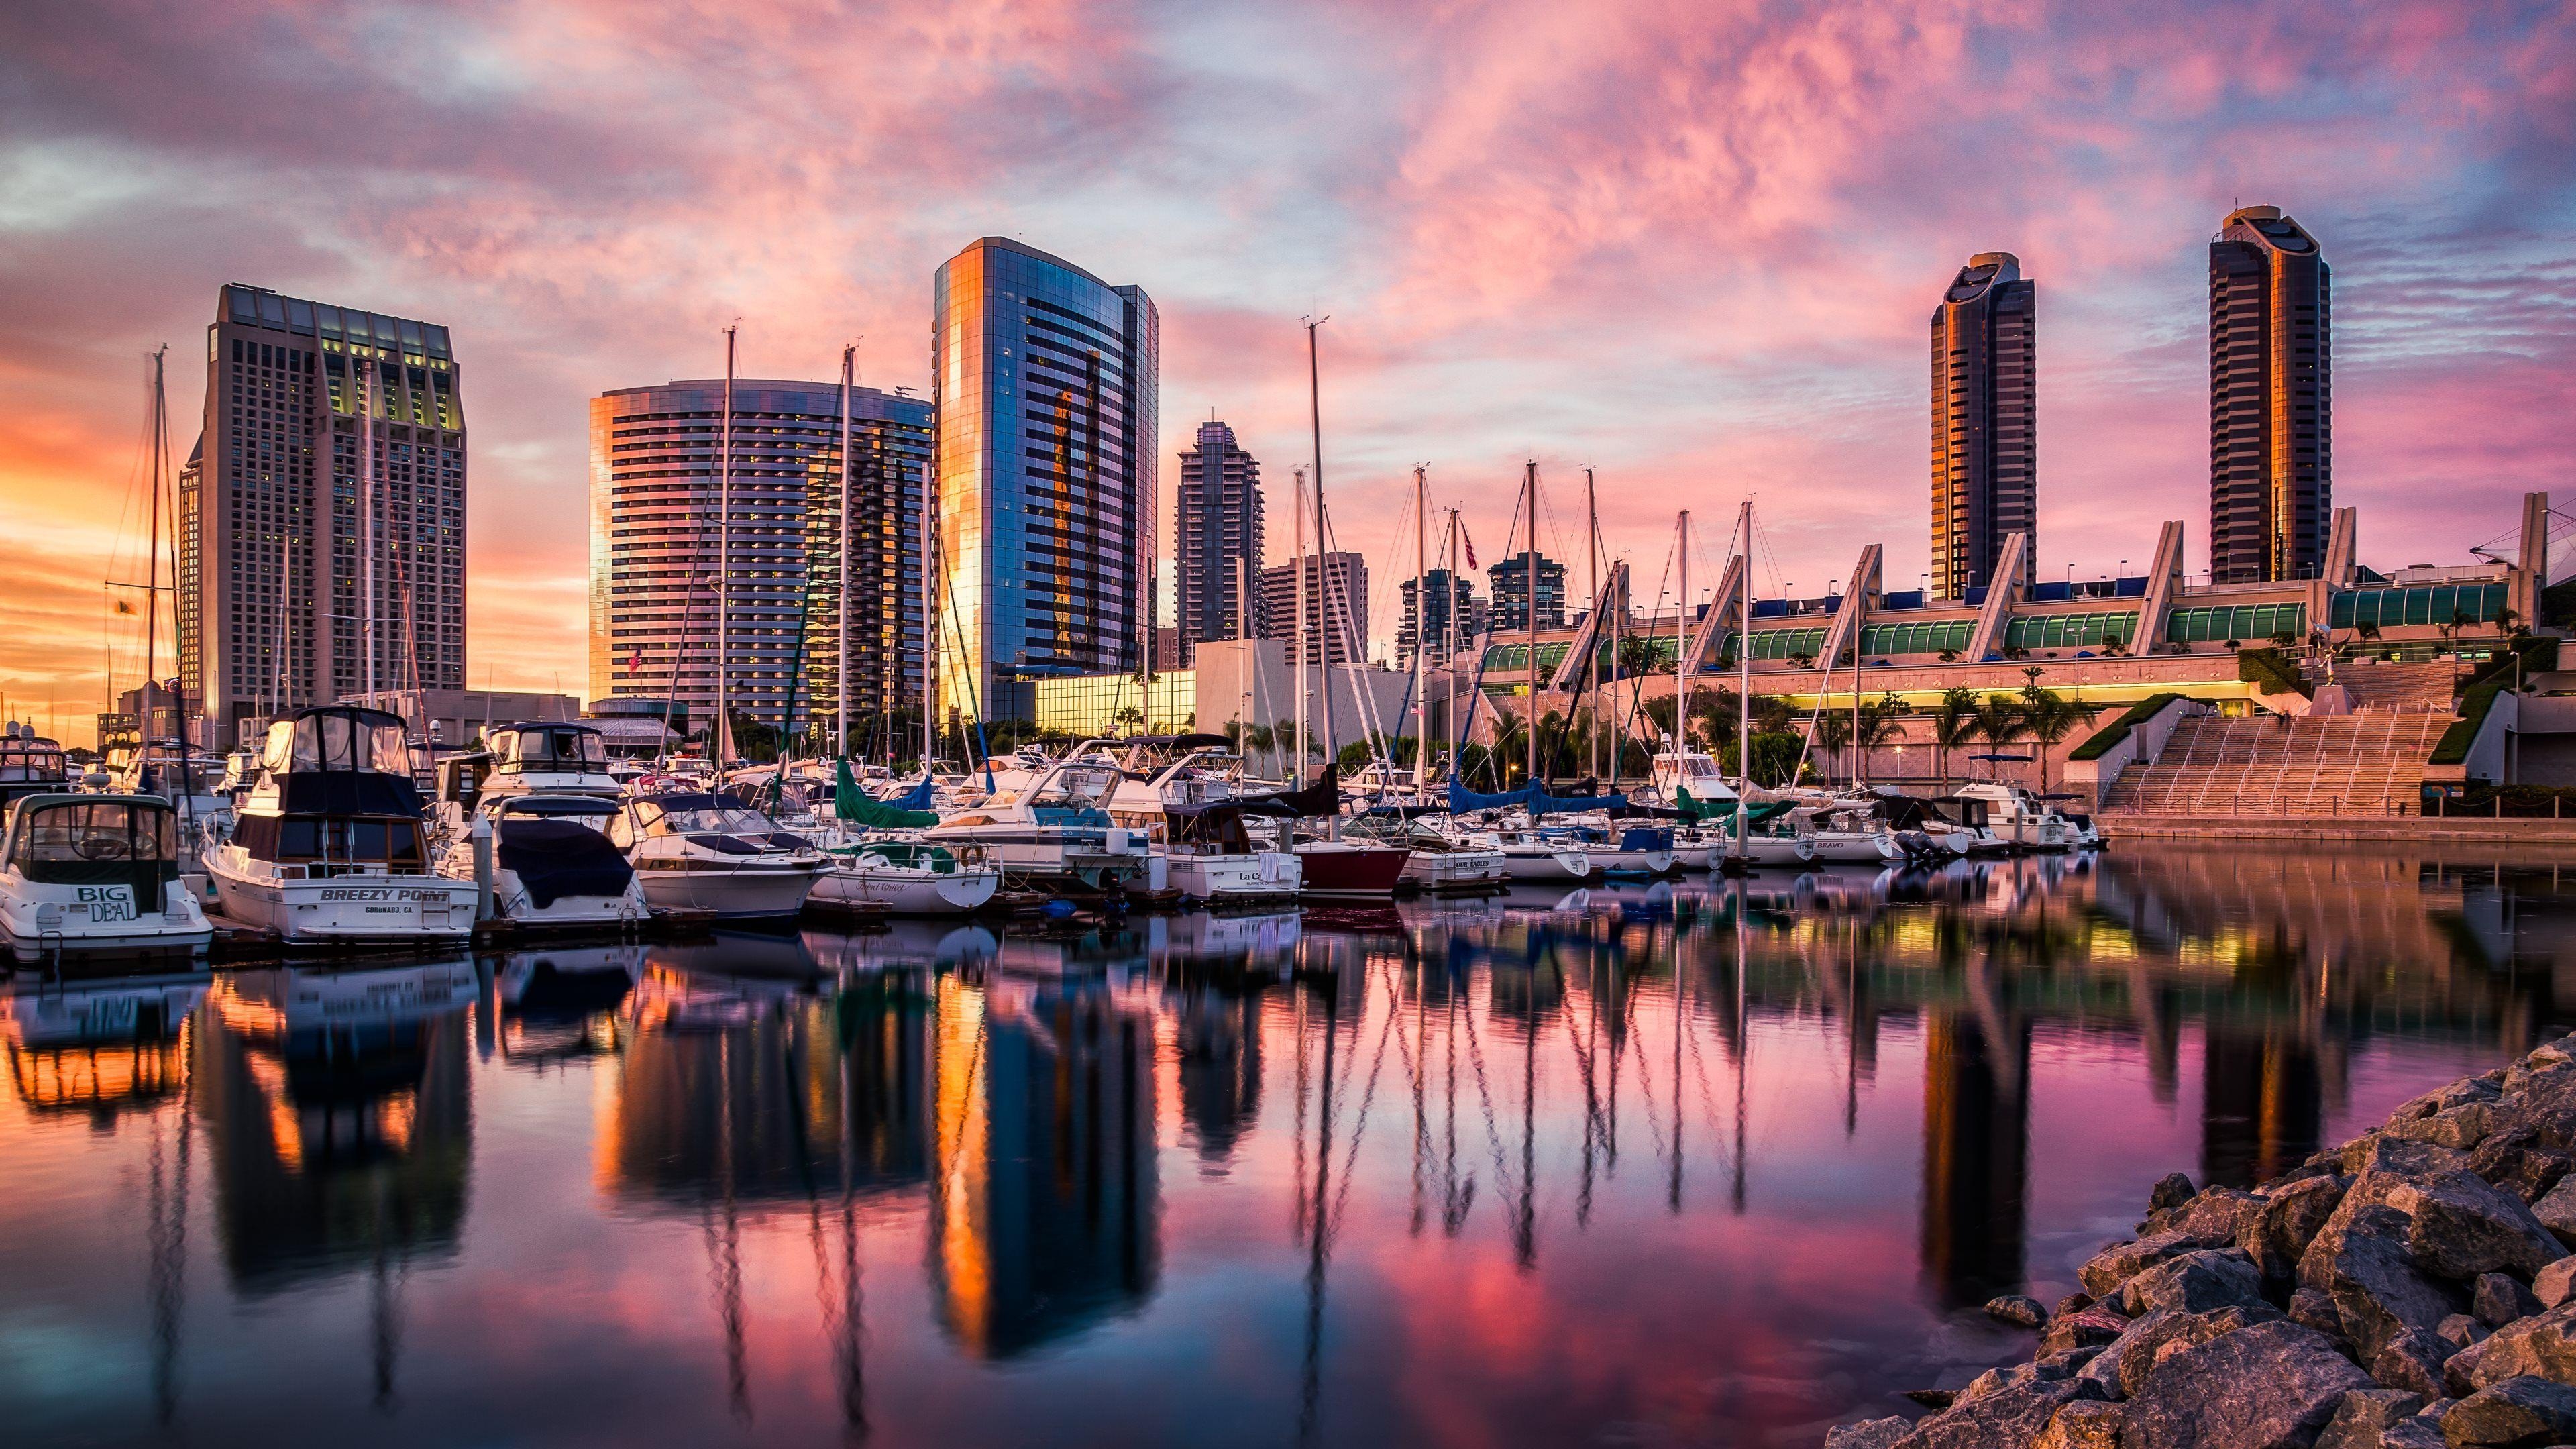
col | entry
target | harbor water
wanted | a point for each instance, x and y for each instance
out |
(1693, 1163)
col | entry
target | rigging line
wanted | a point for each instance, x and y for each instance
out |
(1359, 1124)
(1484, 1092)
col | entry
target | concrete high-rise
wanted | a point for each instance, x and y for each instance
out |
(1510, 592)
(1453, 602)
(656, 532)
(1336, 606)
(1217, 541)
(2271, 399)
(1045, 380)
(1985, 420)
(330, 465)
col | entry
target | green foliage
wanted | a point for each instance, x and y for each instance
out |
(2270, 671)
(2117, 730)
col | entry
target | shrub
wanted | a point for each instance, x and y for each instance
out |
(2110, 735)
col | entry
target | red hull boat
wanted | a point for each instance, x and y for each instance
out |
(1345, 868)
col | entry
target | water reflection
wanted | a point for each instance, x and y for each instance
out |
(1506, 1170)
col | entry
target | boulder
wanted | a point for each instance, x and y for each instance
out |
(2281, 1229)
(2515, 1413)
(2105, 1272)
(2315, 1308)
(2460, 1330)
(2412, 1360)
(2363, 1417)
(2464, 1225)
(2460, 1370)
(2085, 1327)
(2417, 1433)
(2084, 1424)
(2516, 1160)
(2545, 1102)
(2200, 1282)
(2376, 1151)
(2171, 1191)
(2543, 1345)
(1933, 1398)
(2462, 1127)
(2362, 1260)
(2267, 1386)
(1867, 1434)
(2553, 1284)
(2556, 1211)
(2499, 1298)
(2219, 1212)
(2015, 1415)
(2075, 1302)
(2017, 1310)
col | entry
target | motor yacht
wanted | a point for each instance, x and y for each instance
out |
(329, 845)
(553, 864)
(697, 851)
(1530, 854)
(30, 764)
(188, 778)
(1846, 833)
(95, 874)
(557, 757)
(909, 878)
(1052, 832)
(1443, 861)
(2021, 820)
(1214, 859)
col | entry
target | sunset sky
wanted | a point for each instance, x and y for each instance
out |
(1692, 245)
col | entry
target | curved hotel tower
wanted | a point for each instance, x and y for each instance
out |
(1985, 421)
(1045, 377)
(2271, 399)
(654, 530)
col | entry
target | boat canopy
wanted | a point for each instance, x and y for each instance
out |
(851, 803)
(1324, 797)
(340, 759)
(80, 840)
(550, 746)
(1533, 799)
(558, 858)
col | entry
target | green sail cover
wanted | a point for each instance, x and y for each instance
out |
(852, 804)
(1698, 810)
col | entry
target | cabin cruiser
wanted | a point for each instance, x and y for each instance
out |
(1530, 854)
(558, 757)
(711, 852)
(1443, 862)
(95, 873)
(1846, 832)
(909, 878)
(1052, 832)
(1613, 848)
(329, 845)
(1675, 771)
(188, 778)
(552, 861)
(1214, 859)
(30, 764)
(2020, 819)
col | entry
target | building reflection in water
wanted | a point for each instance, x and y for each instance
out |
(1976, 1153)
(337, 1113)
(1044, 1209)
(2262, 1104)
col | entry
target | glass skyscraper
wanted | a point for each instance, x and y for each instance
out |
(2271, 399)
(1985, 421)
(1217, 545)
(1045, 380)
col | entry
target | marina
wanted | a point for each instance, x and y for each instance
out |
(1716, 1160)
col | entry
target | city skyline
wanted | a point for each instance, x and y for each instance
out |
(1503, 282)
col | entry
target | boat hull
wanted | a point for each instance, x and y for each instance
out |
(1560, 866)
(1777, 850)
(907, 892)
(1343, 870)
(740, 893)
(1221, 880)
(349, 908)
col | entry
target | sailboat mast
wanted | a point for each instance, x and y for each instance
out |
(1600, 626)
(1744, 667)
(841, 668)
(1421, 629)
(1449, 638)
(931, 575)
(1315, 412)
(1529, 570)
(722, 735)
(1681, 646)
(1303, 745)
(152, 585)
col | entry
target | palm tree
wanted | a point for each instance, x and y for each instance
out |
(2002, 719)
(1130, 716)
(1258, 737)
(1882, 722)
(2052, 718)
(1833, 733)
(1955, 723)
(1284, 734)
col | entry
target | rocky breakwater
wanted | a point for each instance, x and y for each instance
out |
(2411, 1289)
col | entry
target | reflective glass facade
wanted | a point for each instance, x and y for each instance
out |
(655, 490)
(1217, 539)
(2070, 631)
(2424, 604)
(1045, 378)
(2271, 399)
(1985, 421)
(2244, 623)
(1916, 638)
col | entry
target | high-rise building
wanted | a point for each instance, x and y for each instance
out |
(330, 468)
(1509, 582)
(1046, 392)
(2271, 399)
(1985, 420)
(1453, 601)
(1218, 537)
(656, 532)
(1336, 606)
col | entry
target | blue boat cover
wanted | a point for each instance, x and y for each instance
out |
(558, 858)
(1532, 798)
(916, 798)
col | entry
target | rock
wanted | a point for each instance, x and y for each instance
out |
(2015, 1309)
(2171, 1191)
(2105, 1272)
(2416, 1433)
(2543, 1345)
(2556, 1211)
(1933, 1398)
(1867, 1434)
(2014, 1414)
(2461, 1127)
(2512, 1414)
(2315, 1308)
(2545, 1102)
(2281, 1229)
(2398, 1157)
(2362, 1260)
(2219, 1212)
(2124, 1364)
(2460, 1370)
(2460, 1330)
(2500, 1298)
(2553, 1284)
(2098, 1324)
(2075, 1302)
(2412, 1360)
(2515, 1160)
(2363, 1415)
(2267, 1386)
(2464, 1225)
(2071, 1361)
(2084, 1424)
(2200, 1282)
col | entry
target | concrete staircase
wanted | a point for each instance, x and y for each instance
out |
(2369, 763)
(2422, 685)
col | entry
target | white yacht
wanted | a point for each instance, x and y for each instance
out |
(558, 757)
(1213, 859)
(552, 862)
(30, 764)
(188, 778)
(1052, 832)
(2019, 819)
(1694, 770)
(1532, 855)
(908, 878)
(1846, 833)
(711, 852)
(329, 845)
(95, 874)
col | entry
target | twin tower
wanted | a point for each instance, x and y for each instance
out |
(2270, 408)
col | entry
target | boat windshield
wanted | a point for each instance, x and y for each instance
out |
(1071, 788)
(95, 832)
(566, 748)
(335, 741)
(710, 820)
(30, 762)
